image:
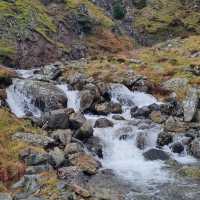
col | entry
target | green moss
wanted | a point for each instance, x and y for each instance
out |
(193, 172)
(95, 12)
(161, 17)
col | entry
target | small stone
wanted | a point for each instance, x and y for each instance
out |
(177, 147)
(73, 148)
(164, 138)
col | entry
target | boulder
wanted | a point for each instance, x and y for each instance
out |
(71, 174)
(141, 140)
(156, 154)
(5, 196)
(77, 80)
(175, 84)
(177, 147)
(195, 148)
(80, 191)
(43, 95)
(56, 119)
(103, 123)
(118, 117)
(164, 138)
(102, 109)
(115, 108)
(85, 162)
(77, 120)
(73, 148)
(141, 112)
(86, 100)
(62, 136)
(95, 146)
(175, 125)
(35, 139)
(84, 132)
(190, 104)
(57, 157)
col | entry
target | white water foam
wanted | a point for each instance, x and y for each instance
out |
(123, 95)
(19, 103)
(27, 73)
(72, 95)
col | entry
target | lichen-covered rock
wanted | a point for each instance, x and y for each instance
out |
(85, 162)
(190, 104)
(164, 138)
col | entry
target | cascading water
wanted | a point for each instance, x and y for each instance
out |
(122, 156)
(72, 95)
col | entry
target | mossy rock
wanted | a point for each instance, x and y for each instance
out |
(190, 171)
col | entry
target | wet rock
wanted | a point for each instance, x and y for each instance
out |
(93, 90)
(85, 162)
(190, 104)
(141, 140)
(95, 146)
(118, 117)
(126, 130)
(102, 109)
(195, 148)
(154, 107)
(62, 137)
(35, 139)
(175, 125)
(177, 147)
(52, 71)
(56, 119)
(103, 123)
(104, 91)
(57, 157)
(164, 138)
(86, 100)
(45, 96)
(115, 108)
(156, 154)
(141, 112)
(73, 148)
(77, 120)
(5, 196)
(84, 132)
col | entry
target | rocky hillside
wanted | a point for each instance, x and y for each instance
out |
(34, 33)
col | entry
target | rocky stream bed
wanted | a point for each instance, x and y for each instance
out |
(105, 140)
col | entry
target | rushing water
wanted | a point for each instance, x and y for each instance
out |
(122, 156)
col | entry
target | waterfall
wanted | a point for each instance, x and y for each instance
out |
(121, 155)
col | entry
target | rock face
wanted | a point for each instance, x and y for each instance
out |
(190, 105)
(43, 95)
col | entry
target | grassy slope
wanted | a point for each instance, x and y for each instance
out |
(162, 17)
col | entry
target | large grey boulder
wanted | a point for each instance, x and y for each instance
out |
(56, 119)
(43, 95)
(86, 100)
(77, 120)
(156, 154)
(103, 123)
(190, 104)
(57, 157)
